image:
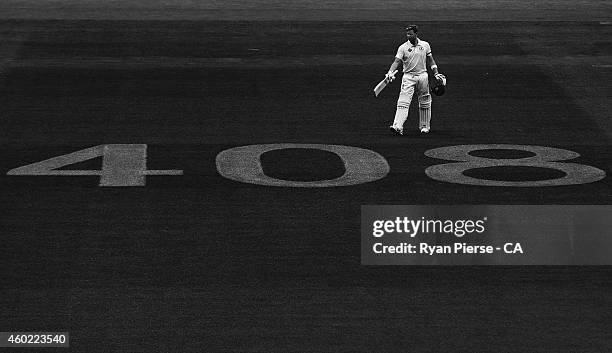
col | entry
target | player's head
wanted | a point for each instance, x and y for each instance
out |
(412, 32)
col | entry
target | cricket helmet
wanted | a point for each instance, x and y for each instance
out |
(438, 87)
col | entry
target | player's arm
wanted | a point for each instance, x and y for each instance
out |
(395, 64)
(431, 63)
(390, 75)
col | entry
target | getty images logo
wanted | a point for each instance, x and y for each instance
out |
(414, 227)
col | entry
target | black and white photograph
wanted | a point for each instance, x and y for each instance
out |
(308, 176)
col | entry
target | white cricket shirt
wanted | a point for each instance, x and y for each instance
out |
(413, 56)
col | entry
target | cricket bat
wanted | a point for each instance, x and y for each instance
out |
(381, 85)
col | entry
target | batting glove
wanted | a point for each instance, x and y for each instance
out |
(389, 76)
(441, 79)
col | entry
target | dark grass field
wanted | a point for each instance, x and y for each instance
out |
(199, 263)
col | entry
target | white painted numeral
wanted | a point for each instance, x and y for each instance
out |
(544, 157)
(122, 165)
(243, 164)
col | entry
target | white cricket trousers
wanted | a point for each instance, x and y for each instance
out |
(414, 84)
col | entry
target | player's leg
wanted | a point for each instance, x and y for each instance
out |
(403, 103)
(424, 103)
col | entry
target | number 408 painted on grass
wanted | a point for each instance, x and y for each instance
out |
(126, 165)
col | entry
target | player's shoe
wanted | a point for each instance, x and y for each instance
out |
(396, 130)
(424, 130)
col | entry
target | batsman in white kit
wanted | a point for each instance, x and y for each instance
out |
(415, 56)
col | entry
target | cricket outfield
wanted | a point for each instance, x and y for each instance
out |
(196, 261)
